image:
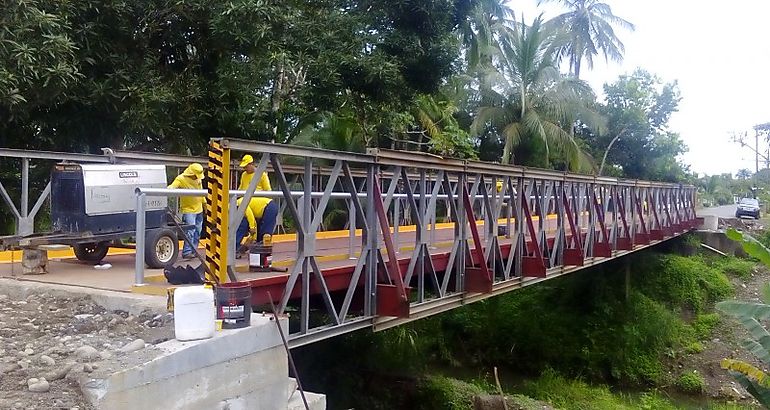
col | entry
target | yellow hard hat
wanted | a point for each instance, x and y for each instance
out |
(499, 186)
(194, 169)
(246, 160)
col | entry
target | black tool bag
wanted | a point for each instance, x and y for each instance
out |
(184, 275)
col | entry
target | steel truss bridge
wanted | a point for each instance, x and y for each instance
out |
(426, 234)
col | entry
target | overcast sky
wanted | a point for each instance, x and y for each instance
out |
(718, 52)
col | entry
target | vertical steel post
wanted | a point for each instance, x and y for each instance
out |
(421, 239)
(432, 219)
(351, 229)
(461, 221)
(370, 283)
(25, 224)
(306, 215)
(24, 187)
(396, 222)
(140, 240)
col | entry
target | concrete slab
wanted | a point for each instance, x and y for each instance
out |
(236, 369)
(110, 300)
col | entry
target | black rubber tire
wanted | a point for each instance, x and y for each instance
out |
(91, 252)
(161, 248)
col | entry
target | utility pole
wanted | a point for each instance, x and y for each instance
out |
(756, 149)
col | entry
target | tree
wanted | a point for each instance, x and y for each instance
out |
(167, 75)
(478, 33)
(638, 141)
(537, 103)
(743, 174)
(589, 25)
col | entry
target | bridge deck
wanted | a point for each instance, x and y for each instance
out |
(333, 257)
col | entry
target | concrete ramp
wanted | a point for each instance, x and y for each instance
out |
(237, 369)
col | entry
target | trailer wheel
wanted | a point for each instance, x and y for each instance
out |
(161, 248)
(91, 252)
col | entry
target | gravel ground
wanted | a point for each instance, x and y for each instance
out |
(47, 343)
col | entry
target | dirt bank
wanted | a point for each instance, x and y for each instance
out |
(47, 341)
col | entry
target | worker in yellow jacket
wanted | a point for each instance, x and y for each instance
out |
(247, 163)
(259, 219)
(191, 207)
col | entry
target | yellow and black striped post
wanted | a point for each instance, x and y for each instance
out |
(217, 211)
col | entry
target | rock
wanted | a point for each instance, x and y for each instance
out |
(38, 385)
(28, 352)
(105, 355)
(86, 353)
(46, 360)
(87, 368)
(8, 367)
(23, 364)
(83, 316)
(59, 373)
(3, 298)
(137, 344)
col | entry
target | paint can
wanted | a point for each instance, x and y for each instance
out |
(260, 257)
(234, 304)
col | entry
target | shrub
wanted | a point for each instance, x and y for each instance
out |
(678, 281)
(445, 393)
(694, 348)
(569, 394)
(691, 382)
(740, 268)
(704, 325)
(654, 401)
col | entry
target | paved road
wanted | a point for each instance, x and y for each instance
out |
(725, 211)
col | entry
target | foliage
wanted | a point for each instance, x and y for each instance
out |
(167, 75)
(704, 325)
(737, 267)
(589, 25)
(691, 382)
(694, 348)
(751, 245)
(751, 315)
(537, 104)
(569, 394)
(444, 393)
(638, 140)
(585, 327)
(687, 282)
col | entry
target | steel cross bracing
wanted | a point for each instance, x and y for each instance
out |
(510, 227)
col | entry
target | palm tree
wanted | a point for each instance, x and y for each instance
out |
(479, 31)
(589, 25)
(535, 100)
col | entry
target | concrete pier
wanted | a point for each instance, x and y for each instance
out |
(236, 369)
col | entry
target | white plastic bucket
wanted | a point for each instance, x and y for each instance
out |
(194, 313)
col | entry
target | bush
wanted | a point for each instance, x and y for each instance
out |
(679, 281)
(740, 268)
(691, 382)
(694, 348)
(445, 393)
(654, 401)
(568, 394)
(704, 325)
